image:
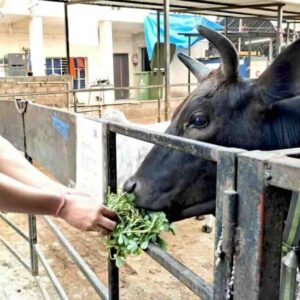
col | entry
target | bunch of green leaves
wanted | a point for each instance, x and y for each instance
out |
(135, 229)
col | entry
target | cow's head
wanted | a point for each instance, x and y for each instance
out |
(224, 110)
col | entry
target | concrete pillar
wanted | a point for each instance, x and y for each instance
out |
(36, 41)
(106, 56)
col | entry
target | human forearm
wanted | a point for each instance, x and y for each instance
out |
(14, 165)
(25, 189)
(18, 197)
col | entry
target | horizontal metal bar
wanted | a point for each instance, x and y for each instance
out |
(15, 227)
(263, 11)
(79, 105)
(234, 6)
(196, 148)
(238, 34)
(86, 111)
(57, 285)
(195, 283)
(93, 90)
(16, 255)
(284, 172)
(98, 286)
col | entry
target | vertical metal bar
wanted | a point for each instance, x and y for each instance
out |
(240, 39)
(226, 26)
(229, 220)
(53, 278)
(249, 56)
(158, 108)
(287, 33)
(84, 268)
(279, 29)
(67, 40)
(158, 65)
(294, 32)
(32, 243)
(75, 102)
(167, 58)
(158, 39)
(226, 180)
(261, 214)
(189, 72)
(288, 278)
(113, 272)
(270, 51)
(32, 232)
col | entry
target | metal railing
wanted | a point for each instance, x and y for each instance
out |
(97, 107)
(226, 159)
(251, 205)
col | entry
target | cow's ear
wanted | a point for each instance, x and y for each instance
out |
(282, 78)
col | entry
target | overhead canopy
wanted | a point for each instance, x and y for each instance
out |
(179, 23)
(241, 8)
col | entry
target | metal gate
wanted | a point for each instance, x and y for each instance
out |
(252, 200)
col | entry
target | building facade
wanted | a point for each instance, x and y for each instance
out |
(107, 45)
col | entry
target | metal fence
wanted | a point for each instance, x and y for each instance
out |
(251, 205)
(77, 107)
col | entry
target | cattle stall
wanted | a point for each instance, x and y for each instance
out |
(253, 195)
(279, 11)
(252, 200)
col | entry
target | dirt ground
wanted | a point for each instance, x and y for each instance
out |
(140, 277)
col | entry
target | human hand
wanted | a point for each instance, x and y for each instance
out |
(86, 214)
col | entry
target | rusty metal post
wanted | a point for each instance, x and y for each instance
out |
(167, 58)
(261, 214)
(226, 181)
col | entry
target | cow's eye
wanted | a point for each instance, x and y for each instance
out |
(198, 120)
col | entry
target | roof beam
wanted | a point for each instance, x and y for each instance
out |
(235, 6)
(218, 8)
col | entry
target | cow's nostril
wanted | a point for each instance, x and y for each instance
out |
(129, 185)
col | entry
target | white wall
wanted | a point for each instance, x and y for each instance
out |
(179, 72)
(125, 40)
(51, 9)
(124, 43)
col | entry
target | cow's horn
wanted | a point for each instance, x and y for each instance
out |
(196, 67)
(230, 59)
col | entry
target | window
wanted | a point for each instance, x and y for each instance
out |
(58, 66)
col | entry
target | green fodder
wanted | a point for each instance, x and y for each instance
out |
(136, 229)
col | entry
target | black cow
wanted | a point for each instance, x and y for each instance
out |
(225, 110)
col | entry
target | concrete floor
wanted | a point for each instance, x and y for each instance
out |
(16, 283)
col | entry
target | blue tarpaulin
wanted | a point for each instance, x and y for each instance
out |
(179, 23)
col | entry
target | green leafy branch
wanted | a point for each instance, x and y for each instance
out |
(135, 229)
